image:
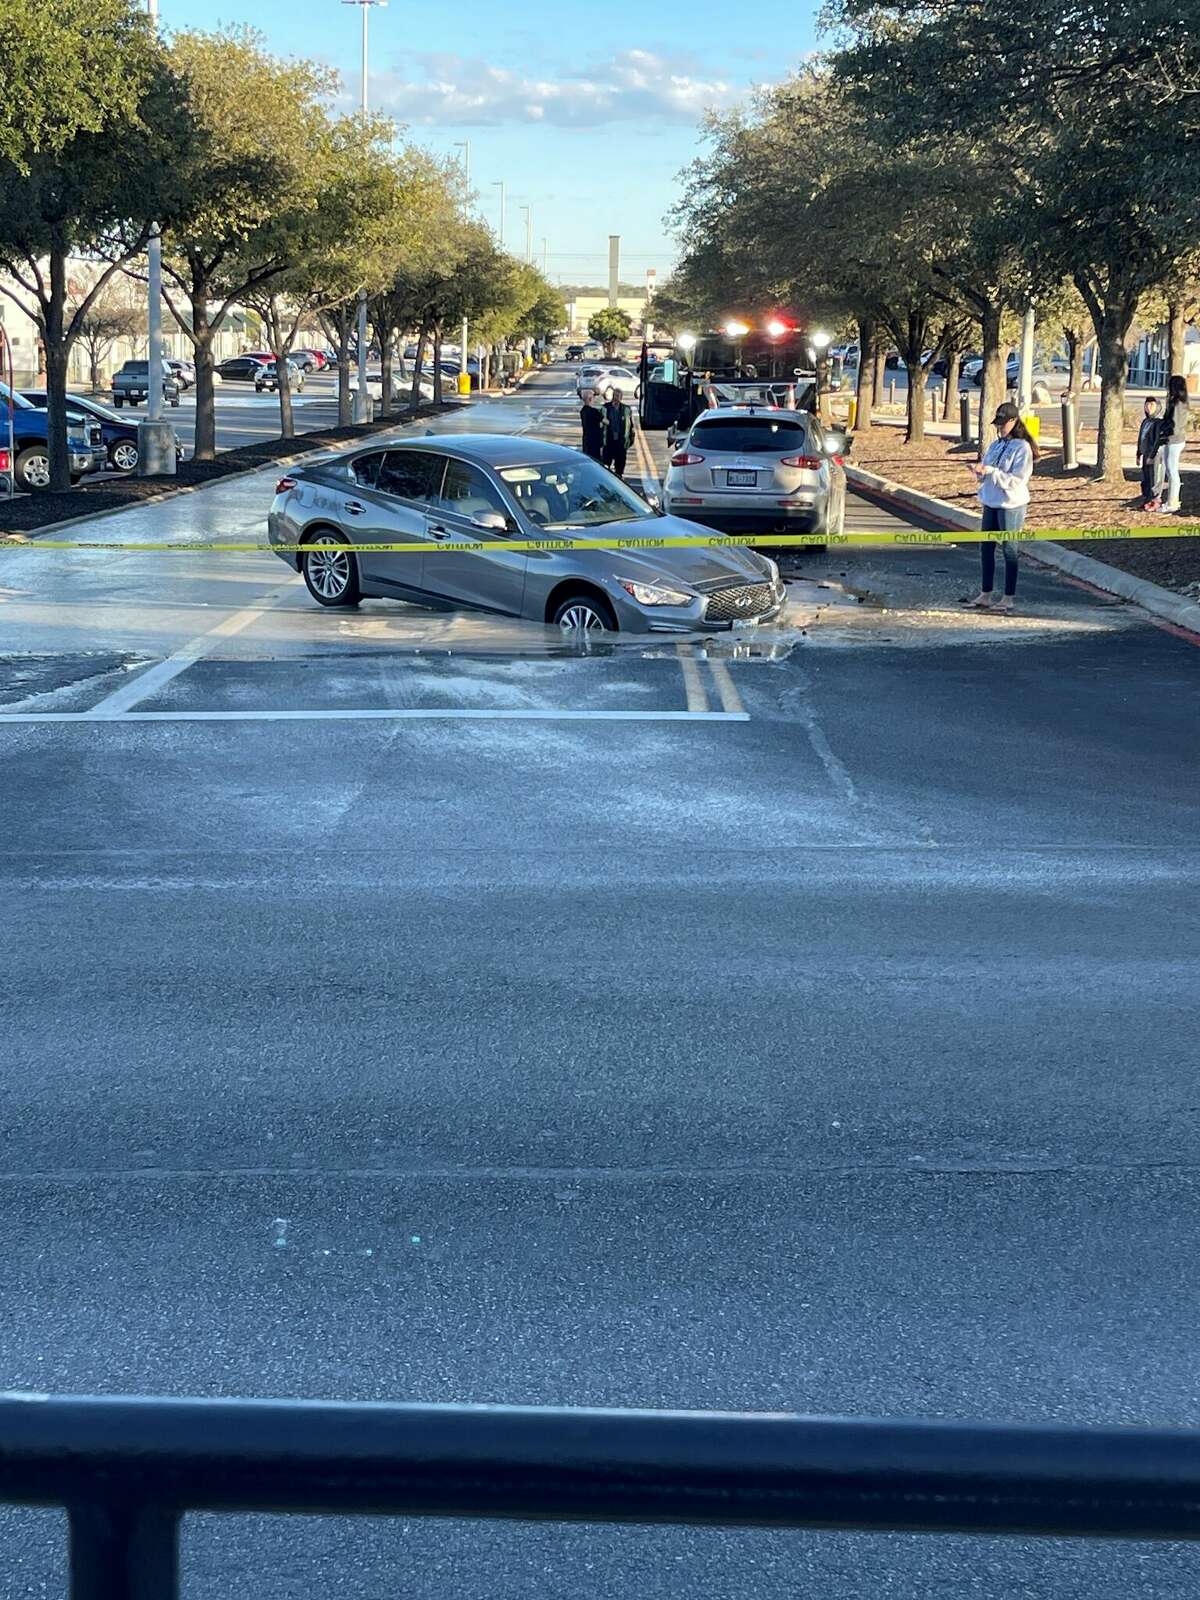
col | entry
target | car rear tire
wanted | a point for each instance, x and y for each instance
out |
(584, 612)
(332, 578)
(118, 401)
(33, 470)
(123, 456)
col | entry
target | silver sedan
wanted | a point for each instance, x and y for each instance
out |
(439, 493)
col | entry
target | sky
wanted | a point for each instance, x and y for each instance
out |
(587, 112)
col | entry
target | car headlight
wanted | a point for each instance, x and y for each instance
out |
(773, 570)
(655, 594)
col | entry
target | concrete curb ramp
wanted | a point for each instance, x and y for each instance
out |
(1151, 597)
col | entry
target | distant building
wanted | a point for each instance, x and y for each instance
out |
(581, 310)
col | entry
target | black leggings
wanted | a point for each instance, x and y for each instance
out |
(1000, 519)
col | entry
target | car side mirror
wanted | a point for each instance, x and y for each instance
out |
(491, 519)
(653, 500)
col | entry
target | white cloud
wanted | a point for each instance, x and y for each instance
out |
(631, 86)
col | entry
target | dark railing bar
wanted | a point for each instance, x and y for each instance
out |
(533, 1463)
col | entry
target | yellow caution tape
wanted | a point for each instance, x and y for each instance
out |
(773, 541)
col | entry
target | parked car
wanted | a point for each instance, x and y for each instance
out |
(31, 466)
(312, 360)
(743, 470)
(119, 438)
(185, 372)
(463, 490)
(242, 369)
(574, 352)
(267, 377)
(606, 379)
(131, 385)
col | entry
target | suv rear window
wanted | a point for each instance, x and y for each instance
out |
(750, 436)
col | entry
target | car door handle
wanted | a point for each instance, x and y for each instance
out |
(353, 508)
(438, 530)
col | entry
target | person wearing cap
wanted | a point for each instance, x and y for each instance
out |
(1003, 475)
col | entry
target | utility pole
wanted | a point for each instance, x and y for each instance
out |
(156, 438)
(499, 184)
(528, 210)
(464, 375)
(362, 404)
(614, 268)
(545, 259)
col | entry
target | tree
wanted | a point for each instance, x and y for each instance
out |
(93, 191)
(118, 313)
(259, 125)
(609, 327)
(1075, 111)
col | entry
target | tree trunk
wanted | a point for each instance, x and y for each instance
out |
(1177, 333)
(864, 376)
(414, 398)
(1113, 365)
(880, 374)
(992, 389)
(437, 364)
(1075, 361)
(53, 313)
(283, 372)
(915, 433)
(206, 405)
(385, 337)
(950, 400)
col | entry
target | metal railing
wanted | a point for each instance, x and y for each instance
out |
(126, 1470)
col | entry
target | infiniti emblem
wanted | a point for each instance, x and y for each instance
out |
(743, 601)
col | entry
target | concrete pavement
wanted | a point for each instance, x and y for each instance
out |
(835, 1055)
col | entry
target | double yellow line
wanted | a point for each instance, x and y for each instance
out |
(693, 682)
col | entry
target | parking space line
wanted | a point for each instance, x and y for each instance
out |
(372, 714)
(731, 700)
(149, 682)
(693, 684)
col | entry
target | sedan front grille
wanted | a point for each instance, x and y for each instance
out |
(737, 603)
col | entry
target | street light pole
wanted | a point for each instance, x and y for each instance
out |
(528, 210)
(362, 404)
(156, 438)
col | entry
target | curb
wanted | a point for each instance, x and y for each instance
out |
(213, 483)
(1150, 597)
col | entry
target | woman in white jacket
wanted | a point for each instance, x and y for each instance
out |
(1004, 475)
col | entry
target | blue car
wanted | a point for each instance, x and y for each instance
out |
(31, 447)
(119, 438)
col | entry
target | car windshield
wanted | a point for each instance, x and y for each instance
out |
(19, 402)
(750, 435)
(573, 494)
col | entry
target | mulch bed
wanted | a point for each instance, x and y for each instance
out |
(29, 512)
(1058, 499)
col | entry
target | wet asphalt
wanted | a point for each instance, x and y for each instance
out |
(831, 1048)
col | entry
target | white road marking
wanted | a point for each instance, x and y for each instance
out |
(693, 684)
(147, 683)
(366, 714)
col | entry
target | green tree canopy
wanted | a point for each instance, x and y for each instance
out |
(609, 327)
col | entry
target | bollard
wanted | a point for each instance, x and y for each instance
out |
(964, 418)
(891, 391)
(1070, 453)
(852, 413)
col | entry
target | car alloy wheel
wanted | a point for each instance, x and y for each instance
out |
(34, 470)
(124, 456)
(578, 614)
(331, 572)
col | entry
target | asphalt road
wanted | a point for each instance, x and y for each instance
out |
(830, 1048)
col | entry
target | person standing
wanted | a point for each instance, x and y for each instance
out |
(1147, 451)
(1174, 437)
(591, 421)
(1003, 475)
(618, 433)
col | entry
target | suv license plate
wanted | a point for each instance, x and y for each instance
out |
(741, 480)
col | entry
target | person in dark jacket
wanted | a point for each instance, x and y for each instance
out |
(1147, 450)
(591, 420)
(618, 433)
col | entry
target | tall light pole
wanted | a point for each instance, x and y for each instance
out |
(528, 210)
(156, 438)
(545, 258)
(362, 403)
(464, 375)
(499, 184)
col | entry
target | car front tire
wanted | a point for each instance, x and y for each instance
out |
(331, 573)
(584, 612)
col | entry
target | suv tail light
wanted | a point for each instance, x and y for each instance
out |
(5, 461)
(809, 463)
(284, 485)
(686, 458)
